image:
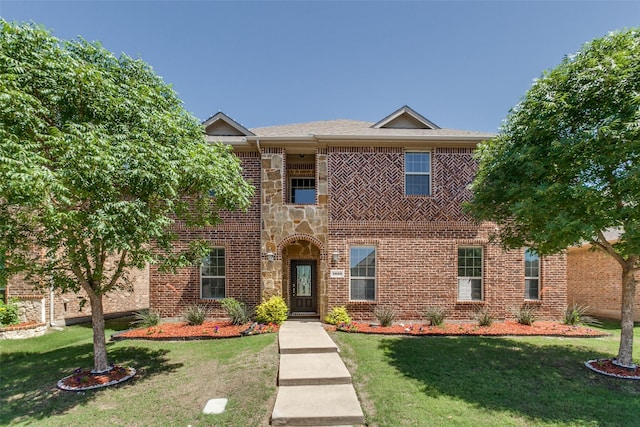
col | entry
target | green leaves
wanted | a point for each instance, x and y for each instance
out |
(98, 158)
(565, 164)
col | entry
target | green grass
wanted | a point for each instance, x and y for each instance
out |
(478, 381)
(175, 381)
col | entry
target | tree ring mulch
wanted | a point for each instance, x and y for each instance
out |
(84, 379)
(610, 368)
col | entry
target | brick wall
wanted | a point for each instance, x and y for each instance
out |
(239, 234)
(595, 279)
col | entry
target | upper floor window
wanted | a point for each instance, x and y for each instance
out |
(417, 173)
(303, 191)
(470, 274)
(212, 275)
(531, 275)
(362, 260)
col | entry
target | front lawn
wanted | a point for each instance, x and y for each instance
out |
(174, 382)
(480, 381)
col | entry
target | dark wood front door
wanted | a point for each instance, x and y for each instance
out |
(303, 287)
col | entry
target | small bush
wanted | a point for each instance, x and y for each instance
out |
(338, 315)
(484, 316)
(9, 313)
(579, 315)
(145, 319)
(435, 315)
(385, 315)
(274, 310)
(237, 311)
(526, 314)
(195, 314)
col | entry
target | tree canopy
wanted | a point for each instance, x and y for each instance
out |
(98, 158)
(565, 167)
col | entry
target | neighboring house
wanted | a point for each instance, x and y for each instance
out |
(594, 279)
(358, 214)
(55, 308)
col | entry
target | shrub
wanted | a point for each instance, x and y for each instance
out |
(195, 314)
(435, 315)
(145, 318)
(579, 315)
(484, 316)
(273, 310)
(237, 311)
(385, 315)
(9, 313)
(526, 314)
(338, 315)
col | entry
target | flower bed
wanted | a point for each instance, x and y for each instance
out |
(540, 328)
(609, 368)
(23, 330)
(82, 380)
(183, 332)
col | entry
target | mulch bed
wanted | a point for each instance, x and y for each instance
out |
(181, 331)
(85, 379)
(506, 328)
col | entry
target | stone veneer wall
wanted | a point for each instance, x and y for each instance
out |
(594, 279)
(285, 224)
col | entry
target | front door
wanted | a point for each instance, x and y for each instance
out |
(303, 287)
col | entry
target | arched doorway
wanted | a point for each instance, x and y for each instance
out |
(301, 277)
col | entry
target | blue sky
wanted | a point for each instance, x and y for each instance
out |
(462, 64)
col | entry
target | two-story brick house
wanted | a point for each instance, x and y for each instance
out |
(359, 214)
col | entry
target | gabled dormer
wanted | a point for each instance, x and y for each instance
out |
(405, 118)
(222, 125)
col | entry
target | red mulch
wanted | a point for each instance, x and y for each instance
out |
(539, 328)
(609, 368)
(182, 331)
(87, 380)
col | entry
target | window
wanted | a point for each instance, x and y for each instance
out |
(303, 191)
(469, 274)
(531, 275)
(212, 275)
(3, 279)
(417, 173)
(363, 273)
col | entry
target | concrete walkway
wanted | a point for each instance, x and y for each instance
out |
(315, 386)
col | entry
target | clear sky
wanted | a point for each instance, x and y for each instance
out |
(461, 64)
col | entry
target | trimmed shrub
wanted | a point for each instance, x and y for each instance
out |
(195, 314)
(338, 315)
(579, 315)
(385, 314)
(273, 310)
(237, 311)
(435, 315)
(484, 316)
(9, 313)
(526, 314)
(145, 318)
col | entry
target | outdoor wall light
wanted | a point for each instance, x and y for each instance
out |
(271, 256)
(335, 256)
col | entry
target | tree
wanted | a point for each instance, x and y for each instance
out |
(97, 159)
(565, 167)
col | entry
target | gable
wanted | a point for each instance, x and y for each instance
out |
(405, 118)
(222, 125)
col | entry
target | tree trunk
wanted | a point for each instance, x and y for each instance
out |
(100, 363)
(625, 352)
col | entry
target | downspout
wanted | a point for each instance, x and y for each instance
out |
(51, 313)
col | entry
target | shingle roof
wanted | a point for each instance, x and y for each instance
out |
(347, 128)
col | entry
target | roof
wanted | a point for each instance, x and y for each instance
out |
(403, 124)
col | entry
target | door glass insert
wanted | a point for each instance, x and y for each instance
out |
(304, 280)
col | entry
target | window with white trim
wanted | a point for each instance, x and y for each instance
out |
(212, 275)
(362, 261)
(531, 275)
(470, 274)
(417, 173)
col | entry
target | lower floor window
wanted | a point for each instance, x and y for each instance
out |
(212, 275)
(362, 261)
(469, 274)
(531, 275)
